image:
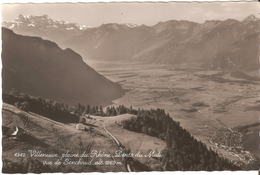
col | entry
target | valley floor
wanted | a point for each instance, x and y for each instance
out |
(202, 101)
(212, 105)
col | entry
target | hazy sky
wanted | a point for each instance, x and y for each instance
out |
(95, 14)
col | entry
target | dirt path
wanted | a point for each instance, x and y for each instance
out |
(128, 99)
(118, 144)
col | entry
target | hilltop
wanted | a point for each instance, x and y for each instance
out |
(40, 68)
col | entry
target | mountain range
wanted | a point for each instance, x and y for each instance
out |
(41, 68)
(214, 44)
(45, 27)
(218, 45)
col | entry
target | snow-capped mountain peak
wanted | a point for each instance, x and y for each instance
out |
(251, 18)
(41, 21)
(45, 27)
(130, 25)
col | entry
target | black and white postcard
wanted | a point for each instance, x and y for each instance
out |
(130, 87)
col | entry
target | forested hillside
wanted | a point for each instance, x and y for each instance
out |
(183, 152)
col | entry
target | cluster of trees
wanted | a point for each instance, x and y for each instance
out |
(149, 122)
(121, 109)
(98, 110)
(183, 151)
(80, 109)
(59, 111)
(47, 108)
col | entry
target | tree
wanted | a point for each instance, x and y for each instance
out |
(79, 106)
(24, 96)
(17, 104)
(145, 129)
(88, 109)
(82, 110)
(96, 109)
(25, 106)
(101, 109)
(108, 111)
(14, 92)
(113, 111)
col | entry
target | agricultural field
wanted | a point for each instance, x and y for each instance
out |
(201, 100)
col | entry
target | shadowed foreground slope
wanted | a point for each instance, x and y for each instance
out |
(40, 68)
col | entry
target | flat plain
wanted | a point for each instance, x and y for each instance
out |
(203, 101)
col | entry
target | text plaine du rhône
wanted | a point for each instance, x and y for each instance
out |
(94, 153)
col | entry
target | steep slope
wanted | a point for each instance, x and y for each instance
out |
(40, 68)
(108, 42)
(44, 27)
(242, 55)
(174, 42)
(51, 137)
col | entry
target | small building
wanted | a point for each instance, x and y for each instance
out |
(81, 127)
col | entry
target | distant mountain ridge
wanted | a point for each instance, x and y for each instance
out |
(215, 44)
(45, 27)
(41, 68)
